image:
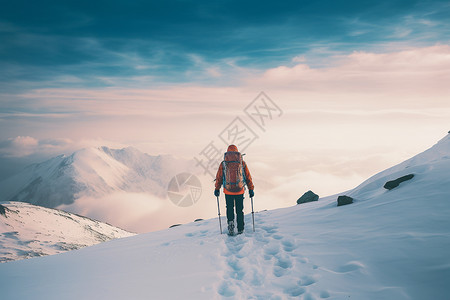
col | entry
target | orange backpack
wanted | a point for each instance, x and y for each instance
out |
(233, 171)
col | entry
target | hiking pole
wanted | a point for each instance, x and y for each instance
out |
(218, 208)
(253, 216)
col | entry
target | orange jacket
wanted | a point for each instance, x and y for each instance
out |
(248, 177)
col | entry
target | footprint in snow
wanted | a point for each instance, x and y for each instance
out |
(257, 279)
(261, 239)
(282, 264)
(309, 296)
(226, 289)
(294, 291)
(277, 236)
(237, 271)
(269, 229)
(288, 246)
(306, 281)
(271, 250)
(324, 294)
(283, 261)
(200, 233)
(303, 260)
(350, 267)
(235, 246)
(279, 271)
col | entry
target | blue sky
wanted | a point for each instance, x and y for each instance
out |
(110, 43)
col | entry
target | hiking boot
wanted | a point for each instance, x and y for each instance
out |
(231, 227)
(240, 231)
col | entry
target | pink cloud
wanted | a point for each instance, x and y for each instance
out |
(424, 71)
(19, 146)
(406, 77)
(22, 146)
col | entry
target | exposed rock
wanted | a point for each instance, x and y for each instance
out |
(175, 225)
(309, 196)
(395, 183)
(344, 200)
(198, 220)
(3, 210)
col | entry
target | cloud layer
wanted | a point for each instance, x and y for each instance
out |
(74, 44)
(21, 146)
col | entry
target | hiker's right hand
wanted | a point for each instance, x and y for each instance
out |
(216, 193)
(251, 193)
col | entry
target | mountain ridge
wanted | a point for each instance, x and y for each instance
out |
(91, 172)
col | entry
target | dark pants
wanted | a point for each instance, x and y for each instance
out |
(239, 201)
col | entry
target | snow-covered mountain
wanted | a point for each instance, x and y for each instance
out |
(29, 231)
(388, 244)
(93, 172)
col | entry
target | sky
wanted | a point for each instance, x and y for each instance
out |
(357, 86)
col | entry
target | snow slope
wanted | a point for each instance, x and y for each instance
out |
(28, 231)
(387, 245)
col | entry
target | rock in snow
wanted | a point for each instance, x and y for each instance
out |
(344, 200)
(309, 196)
(395, 183)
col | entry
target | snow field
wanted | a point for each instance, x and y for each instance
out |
(264, 265)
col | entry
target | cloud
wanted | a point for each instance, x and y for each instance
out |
(20, 151)
(299, 59)
(76, 45)
(30, 147)
(121, 209)
(415, 72)
(19, 146)
(142, 212)
(368, 88)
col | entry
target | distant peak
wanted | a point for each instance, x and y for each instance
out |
(125, 149)
(104, 148)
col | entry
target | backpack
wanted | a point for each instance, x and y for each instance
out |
(233, 171)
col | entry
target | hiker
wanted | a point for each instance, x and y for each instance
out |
(233, 173)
